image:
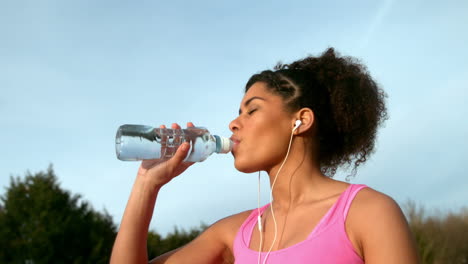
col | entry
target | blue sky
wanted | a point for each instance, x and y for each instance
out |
(71, 72)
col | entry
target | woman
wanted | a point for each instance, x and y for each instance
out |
(299, 123)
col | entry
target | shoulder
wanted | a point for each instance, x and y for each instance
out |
(374, 203)
(371, 208)
(237, 218)
(379, 227)
(229, 225)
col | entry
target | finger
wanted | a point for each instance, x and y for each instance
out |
(190, 124)
(175, 126)
(180, 155)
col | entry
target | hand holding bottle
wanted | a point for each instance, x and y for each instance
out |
(130, 244)
(159, 172)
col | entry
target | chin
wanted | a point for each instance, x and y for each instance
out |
(246, 167)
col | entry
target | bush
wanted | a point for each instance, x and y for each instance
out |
(441, 237)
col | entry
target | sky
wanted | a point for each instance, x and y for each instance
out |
(72, 72)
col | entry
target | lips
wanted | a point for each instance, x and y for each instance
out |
(235, 143)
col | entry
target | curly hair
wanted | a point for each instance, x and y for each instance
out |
(347, 103)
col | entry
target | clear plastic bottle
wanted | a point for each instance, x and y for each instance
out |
(139, 142)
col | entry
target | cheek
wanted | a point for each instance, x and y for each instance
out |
(248, 157)
(260, 153)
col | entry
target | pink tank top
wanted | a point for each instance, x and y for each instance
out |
(328, 243)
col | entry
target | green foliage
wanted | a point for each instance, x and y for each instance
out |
(177, 238)
(440, 237)
(41, 223)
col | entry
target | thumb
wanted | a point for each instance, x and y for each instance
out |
(180, 154)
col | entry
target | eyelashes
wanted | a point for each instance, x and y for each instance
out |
(252, 111)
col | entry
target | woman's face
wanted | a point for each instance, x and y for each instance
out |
(262, 130)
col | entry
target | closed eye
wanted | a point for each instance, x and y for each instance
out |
(252, 111)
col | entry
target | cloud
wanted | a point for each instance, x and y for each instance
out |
(376, 22)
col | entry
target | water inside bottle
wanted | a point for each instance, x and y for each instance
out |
(144, 142)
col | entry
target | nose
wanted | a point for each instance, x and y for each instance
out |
(234, 125)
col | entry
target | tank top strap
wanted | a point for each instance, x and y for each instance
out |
(349, 197)
(247, 228)
(338, 210)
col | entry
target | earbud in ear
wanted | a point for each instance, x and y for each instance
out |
(297, 124)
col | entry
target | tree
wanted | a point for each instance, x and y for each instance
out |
(41, 223)
(175, 239)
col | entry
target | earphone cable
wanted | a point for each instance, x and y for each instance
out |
(271, 198)
(259, 220)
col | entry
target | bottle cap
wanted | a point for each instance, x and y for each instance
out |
(223, 144)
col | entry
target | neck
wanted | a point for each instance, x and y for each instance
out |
(298, 181)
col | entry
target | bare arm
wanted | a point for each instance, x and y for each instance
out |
(382, 229)
(130, 244)
(212, 246)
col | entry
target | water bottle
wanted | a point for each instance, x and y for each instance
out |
(139, 142)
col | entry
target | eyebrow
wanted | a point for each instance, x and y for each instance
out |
(250, 100)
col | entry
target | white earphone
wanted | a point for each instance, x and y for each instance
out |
(297, 124)
(259, 218)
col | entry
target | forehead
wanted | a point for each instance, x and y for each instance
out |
(258, 89)
(259, 92)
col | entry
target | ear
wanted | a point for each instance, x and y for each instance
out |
(307, 118)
